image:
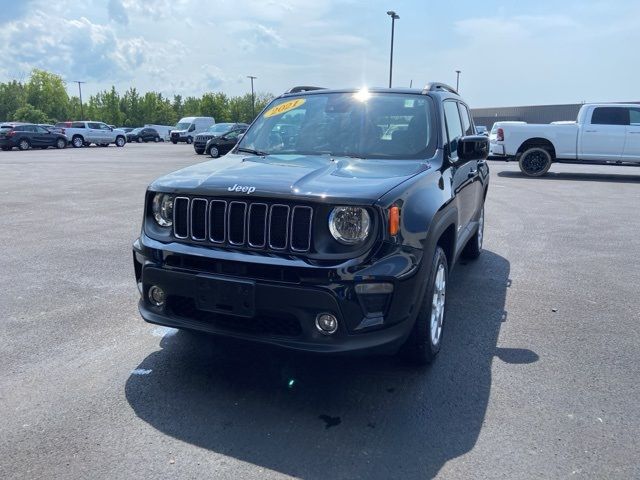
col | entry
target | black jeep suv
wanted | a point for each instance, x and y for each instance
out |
(331, 227)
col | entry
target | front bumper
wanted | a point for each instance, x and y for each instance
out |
(285, 297)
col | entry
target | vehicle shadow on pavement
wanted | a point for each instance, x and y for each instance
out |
(581, 177)
(342, 417)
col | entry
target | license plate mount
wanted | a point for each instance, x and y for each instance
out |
(225, 296)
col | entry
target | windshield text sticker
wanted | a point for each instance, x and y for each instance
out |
(284, 107)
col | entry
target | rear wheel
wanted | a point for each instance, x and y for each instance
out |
(77, 141)
(535, 162)
(61, 143)
(423, 343)
(24, 144)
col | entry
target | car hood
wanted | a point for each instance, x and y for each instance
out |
(292, 176)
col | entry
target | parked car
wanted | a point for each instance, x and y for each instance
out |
(338, 241)
(163, 130)
(603, 134)
(85, 133)
(127, 129)
(28, 135)
(219, 129)
(52, 128)
(482, 130)
(143, 134)
(188, 127)
(219, 146)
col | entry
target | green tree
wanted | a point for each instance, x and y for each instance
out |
(215, 105)
(191, 106)
(177, 106)
(30, 114)
(12, 97)
(47, 92)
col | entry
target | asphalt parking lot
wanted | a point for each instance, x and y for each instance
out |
(539, 376)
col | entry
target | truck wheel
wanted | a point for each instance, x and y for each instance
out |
(24, 144)
(77, 141)
(424, 341)
(120, 141)
(535, 162)
(189, 140)
(473, 248)
(61, 143)
(213, 151)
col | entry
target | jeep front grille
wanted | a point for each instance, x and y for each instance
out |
(237, 223)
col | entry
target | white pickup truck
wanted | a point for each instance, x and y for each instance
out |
(606, 134)
(85, 133)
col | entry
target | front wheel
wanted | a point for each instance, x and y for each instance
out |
(139, 140)
(61, 143)
(535, 162)
(156, 139)
(189, 140)
(214, 152)
(120, 141)
(423, 343)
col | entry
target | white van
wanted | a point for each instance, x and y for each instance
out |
(163, 130)
(188, 127)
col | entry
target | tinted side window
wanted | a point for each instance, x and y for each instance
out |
(634, 116)
(95, 126)
(454, 127)
(77, 125)
(41, 130)
(467, 125)
(610, 116)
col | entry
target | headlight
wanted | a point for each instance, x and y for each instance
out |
(162, 208)
(349, 225)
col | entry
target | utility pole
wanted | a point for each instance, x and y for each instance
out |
(394, 16)
(253, 97)
(80, 91)
(457, 80)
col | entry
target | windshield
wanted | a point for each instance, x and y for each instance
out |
(182, 126)
(135, 130)
(362, 124)
(220, 128)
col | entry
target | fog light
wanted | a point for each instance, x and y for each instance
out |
(156, 296)
(326, 323)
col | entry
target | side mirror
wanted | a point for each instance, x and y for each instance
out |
(473, 147)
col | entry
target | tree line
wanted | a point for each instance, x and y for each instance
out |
(43, 98)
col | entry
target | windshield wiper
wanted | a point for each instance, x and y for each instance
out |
(251, 151)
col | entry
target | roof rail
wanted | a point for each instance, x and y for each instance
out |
(303, 88)
(435, 86)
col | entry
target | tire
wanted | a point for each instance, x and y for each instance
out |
(189, 140)
(77, 141)
(473, 248)
(425, 339)
(213, 151)
(156, 139)
(61, 143)
(24, 144)
(139, 140)
(535, 162)
(120, 141)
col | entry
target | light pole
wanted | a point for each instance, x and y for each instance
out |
(457, 80)
(394, 16)
(253, 98)
(80, 91)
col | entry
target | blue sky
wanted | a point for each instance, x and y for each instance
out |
(510, 53)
